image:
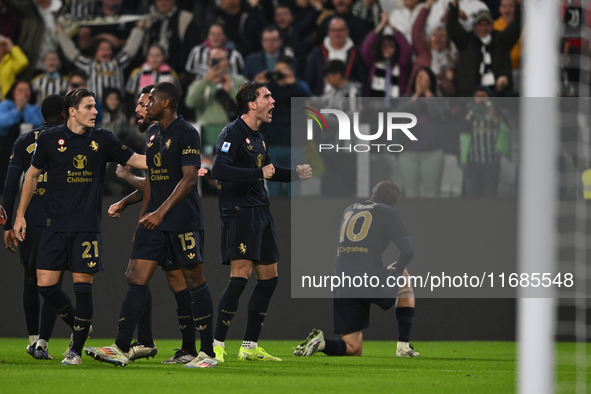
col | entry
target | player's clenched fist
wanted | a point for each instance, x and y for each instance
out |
(304, 171)
(268, 171)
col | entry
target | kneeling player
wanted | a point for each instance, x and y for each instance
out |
(373, 224)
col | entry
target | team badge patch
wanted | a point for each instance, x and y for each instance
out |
(152, 137)
(226, 146)
(61, 142)
(247, 141)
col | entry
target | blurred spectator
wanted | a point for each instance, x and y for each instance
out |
(174, 30)
(421, 163)
(258, 63)
(153, 71)
(404, 15)
(198, 61)
(482, 162)
(358, 28)
(468, 10)
(113, 117)
(485, 54)
(284, 85)
(369, 11)
(12, 62)
(213, 98)
(436, 53)
(335, 75)
(37, 29)
(8, 22)
(239, 21)
(79, 79)
(389, 59)
(507, 10)
(336, 46)
(99, 27)
(103, 70)
(51, 81)
(19, 107)
(296, 37)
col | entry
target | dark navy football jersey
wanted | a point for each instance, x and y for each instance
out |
(167, 152)
(245, 150)
(20, 161)
(76, 169)
(365, 232)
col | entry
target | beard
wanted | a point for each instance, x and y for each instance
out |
(142, 127)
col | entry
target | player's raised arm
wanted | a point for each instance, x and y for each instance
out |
(20, 225)
(138, 161)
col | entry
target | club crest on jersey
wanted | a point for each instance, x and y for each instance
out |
(168, 143)
(61, 142)
(152, 137)
(94, 146)
(226, 146)
(249, 147)
(247, 141)
(61, 148)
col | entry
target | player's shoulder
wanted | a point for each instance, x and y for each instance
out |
(98, 132)
(48, 132)
(233, 130)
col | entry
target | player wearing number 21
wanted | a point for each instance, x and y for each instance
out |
(75, 155)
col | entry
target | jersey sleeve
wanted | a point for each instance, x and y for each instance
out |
(190, 148)
(116, 151)
(41, 154)
(17, 159)
(223, 168)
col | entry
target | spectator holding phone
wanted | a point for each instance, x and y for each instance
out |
(212, 98)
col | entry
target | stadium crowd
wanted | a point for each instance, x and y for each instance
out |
(300, 48)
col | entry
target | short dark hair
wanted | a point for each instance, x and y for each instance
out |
(270, 28)
(170, 91)
(10, 94)
(97, 43)
(248, 92)
(74, 97)
(147, 89)
(80, 73)
(162, 50)
(335, 67)
(386, 192)
(286, 60)
(52, 108)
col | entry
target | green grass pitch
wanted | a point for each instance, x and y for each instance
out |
(445, 367)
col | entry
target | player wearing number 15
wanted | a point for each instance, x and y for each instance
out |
(170, 228)
(75, 155)
(366, 230)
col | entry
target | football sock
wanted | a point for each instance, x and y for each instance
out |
(48, 318)
(335, 347)
(184, 302)
(31, 306)
(144, 324)
(131, 310)
(33, 339)
(257, 307)
(228, 305)
(83, 315)
(249, 344)
(404, 315)
(203, 317)
(219, 343)
(59, 301)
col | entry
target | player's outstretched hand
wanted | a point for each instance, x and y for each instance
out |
(151, 220)
(268, 171)
(304, 171)
(10, 240)
(2, 215)
(202, 172)
(116, 209)
(20, 228)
